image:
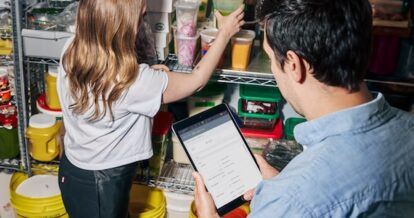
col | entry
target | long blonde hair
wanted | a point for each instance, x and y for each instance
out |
(101, 63)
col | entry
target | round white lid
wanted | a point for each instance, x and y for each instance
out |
(42, 121)
(39, 186)
(208, 35)
(53, 70)
(3, 72)
(245, 35)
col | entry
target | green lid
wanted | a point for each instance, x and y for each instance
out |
(260, 93)
(257, 115)
(290, 124)
(211, 89)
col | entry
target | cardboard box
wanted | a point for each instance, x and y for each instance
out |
(44, 44)
(166, 6)
(160, 22)
(162, 40)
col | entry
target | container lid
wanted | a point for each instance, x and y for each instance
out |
(276, 133)
(245, 36)
(290, 124)
(162, 123)
(42, 121)
(187, 4)
(209, 35)
(43, 108)
(211, 89)
(39, 186)
(257, 115)
(3, 72)
(53, 70)
(260, 93)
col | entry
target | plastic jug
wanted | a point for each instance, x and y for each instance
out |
(42, 132)
(52, 99)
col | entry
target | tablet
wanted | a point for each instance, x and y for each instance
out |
(218, 151)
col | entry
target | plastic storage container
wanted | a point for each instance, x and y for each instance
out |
(258, 140)
(207, 38)
(289, 126)
(9, 141)
(37, 196)
(146, 202)
(187, 17)
(226, 7)
(42, 134)
(186, 49)
(52, 98)
(4, 78)
(280, 152)
(241, 48)
(211, 95)
(160, 132)
(179, 154)
(259, 99)
(178, 205)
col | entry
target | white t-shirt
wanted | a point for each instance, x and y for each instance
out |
(104, 143)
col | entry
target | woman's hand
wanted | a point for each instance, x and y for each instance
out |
(160, 67)
(267, 173)
(203, 200)
(230, 24)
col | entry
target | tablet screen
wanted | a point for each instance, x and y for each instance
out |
(221, 156)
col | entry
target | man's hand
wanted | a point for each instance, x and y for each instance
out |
(203, 200)
(267, 173)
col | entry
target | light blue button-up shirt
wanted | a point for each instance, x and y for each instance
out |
(359, 162)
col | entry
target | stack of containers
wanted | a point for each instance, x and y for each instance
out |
(258, 108)
(160, 133)
(48, 102)
(186, 32)
(160, 15)
(9, 144)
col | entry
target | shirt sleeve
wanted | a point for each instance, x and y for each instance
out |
(145, 94)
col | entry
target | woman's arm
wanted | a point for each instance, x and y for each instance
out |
(181, 85)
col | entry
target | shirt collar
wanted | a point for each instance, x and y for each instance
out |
(354, 119)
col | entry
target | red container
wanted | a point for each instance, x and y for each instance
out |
(259, 139)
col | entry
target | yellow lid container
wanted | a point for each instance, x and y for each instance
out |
(52, 98)
(42, 132)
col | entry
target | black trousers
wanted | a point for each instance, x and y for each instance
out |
(100, 193)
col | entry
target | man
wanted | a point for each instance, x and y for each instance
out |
(360, 151)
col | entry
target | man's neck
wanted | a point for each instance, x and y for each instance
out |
(334, 99)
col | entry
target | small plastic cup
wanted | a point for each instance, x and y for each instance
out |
(186, 49)
(226, 7)
(187, 12)
(207, 38)
(241, 49)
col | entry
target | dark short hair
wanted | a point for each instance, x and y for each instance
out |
(333, 36)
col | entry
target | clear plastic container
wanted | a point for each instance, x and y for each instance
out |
(186, 49)
(241, 48)
(258, 140)
(280, 152)
(226, 7)
(207, 38)
(4, 78)
(187, 12)
(264, 123)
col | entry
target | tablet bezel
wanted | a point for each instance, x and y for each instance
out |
(176, 127)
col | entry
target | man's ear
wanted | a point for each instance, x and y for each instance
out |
(295, 66)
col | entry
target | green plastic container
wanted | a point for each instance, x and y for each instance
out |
(259, 99)
(290, 124)
(9, 141)
(258, 121)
